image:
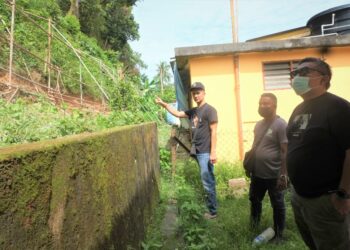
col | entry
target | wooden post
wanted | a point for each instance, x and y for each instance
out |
(233, 7)
(11, 39)
(81, 86)
(49, 54)
(173, 152)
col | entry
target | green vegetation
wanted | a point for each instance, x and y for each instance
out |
(89, 46)
(24, 121)
(90, 56)
(231, 229)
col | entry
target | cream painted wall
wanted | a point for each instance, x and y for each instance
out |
(339, 59)
(251, 80)
(216, 73)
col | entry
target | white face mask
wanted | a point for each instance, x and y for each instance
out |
(300, 84)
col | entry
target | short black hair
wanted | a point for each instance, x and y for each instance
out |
(271, 96)
(321, 65)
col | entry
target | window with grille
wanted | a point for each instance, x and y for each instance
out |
(277, 74)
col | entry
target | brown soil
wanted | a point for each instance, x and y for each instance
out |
(31, 89)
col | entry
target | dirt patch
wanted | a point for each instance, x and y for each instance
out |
(21, 86)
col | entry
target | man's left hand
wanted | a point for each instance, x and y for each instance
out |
(341, 205)
(212, 158)
(282, 182)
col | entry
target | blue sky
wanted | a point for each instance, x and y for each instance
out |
(167, 24)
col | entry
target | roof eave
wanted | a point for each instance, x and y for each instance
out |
(263, 46)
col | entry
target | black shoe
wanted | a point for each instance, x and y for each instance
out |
(277, 240)
(210, 216)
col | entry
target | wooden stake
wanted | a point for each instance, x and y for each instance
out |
(81, 86)
(49, 54)
(173, 152)
(13, 95)
(28, 72)
(11, 39)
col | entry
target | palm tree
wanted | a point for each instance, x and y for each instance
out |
(163, 75)
(74, 8)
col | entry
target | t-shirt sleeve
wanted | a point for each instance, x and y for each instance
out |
(340, 124)
(212, 116)
(282, 131)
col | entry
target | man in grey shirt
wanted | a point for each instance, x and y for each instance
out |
(269, 173)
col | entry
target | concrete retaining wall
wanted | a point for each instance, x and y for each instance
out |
(90, 191)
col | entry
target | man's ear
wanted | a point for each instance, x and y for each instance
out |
(325, 80)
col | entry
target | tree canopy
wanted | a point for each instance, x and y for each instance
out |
(111, 22)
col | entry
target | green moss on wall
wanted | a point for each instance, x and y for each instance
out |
(85, 191)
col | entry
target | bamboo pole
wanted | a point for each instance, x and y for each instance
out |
(13, 95)
(49, 54)
(28, 72)
(82, 62)
(13, 7)
(81, 86)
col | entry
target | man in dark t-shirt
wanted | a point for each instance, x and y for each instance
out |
(204, 122)
(318, 158)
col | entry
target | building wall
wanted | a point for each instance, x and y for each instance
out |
(251, 80)
(338, 58)
(217, 73)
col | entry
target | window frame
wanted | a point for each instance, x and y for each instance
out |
(291, 62)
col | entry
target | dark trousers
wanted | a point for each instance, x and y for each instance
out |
(257, 191)
(320, 224)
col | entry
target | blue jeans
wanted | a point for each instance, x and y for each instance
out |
(208, 180)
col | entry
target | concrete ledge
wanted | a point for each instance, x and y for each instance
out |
(261, 46)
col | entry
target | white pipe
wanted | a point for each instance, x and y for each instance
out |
(330, 24)
(338, 27)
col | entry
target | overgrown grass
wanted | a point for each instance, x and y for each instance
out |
(231, 229)
(27, 121)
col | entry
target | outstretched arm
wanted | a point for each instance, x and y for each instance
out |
(173, 111)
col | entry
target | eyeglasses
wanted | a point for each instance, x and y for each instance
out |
(304, 71)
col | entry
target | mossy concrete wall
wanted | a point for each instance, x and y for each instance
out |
(89, 191)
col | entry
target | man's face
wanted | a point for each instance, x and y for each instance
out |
(316, 76)
(267, 107)
(198, 95)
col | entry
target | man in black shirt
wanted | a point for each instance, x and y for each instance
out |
(204, 122)
(318, 158)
